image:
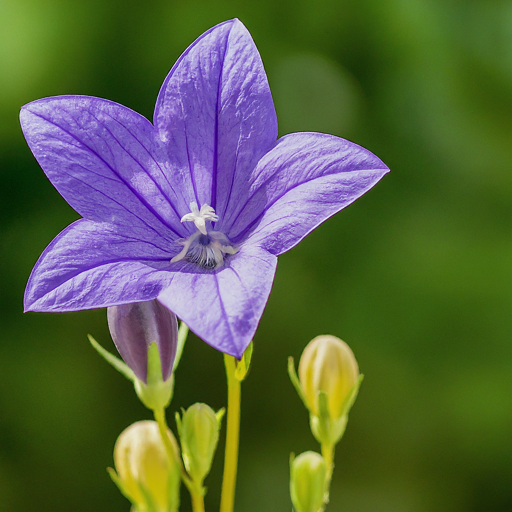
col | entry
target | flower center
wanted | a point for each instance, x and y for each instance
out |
(204, 248)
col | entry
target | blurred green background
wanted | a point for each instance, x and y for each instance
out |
(416, 276)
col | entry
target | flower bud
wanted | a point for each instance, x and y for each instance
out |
(307, 482)
(145, 475)
(328, 365)
(199, 433)
(135, 326)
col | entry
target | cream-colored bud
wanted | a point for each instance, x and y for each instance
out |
(327, 364)
(144, 469)
(307, 482)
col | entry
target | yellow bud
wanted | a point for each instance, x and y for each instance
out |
(144, 470)
(307, 482)
(327, 364)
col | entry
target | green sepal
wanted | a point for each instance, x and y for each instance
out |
(157, 393)
(119, 365)
(351, 398)
(329, 431)
(149, 502)
(296, 382)
(242, 366)
(154, 365)
(182, 337)
(220, 414)
(119, 483)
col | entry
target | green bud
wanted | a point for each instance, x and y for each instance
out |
(145, 475)
(199, 433)
(307, 482)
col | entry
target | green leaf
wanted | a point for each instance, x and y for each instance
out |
(119, 365)
(182, 337)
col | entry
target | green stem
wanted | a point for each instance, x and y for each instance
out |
(196, 492)
(328, 455)
(197, 501)
(227, 501)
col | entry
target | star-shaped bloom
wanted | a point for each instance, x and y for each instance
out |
(195, 208)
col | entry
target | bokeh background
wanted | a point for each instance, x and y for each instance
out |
(416, 276)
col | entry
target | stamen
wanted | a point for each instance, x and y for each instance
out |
(206, 251)
(186, 245)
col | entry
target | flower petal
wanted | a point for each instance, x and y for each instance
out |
(225, 307)
(105, 161)
(91, 265)
(216, 116)
(302, 181)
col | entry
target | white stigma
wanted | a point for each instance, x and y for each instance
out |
(205, 249)
(199, 217)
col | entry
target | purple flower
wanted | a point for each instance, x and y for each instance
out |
(192, 210)
(135, 326)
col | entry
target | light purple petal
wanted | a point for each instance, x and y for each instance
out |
(224, 308)
(105, 161)
(216, 116)
(90, 265)
(302, 181)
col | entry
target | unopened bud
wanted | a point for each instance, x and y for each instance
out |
(145, 473)
(134, 327)
(307, 482)
(328, 366)
(199, 434)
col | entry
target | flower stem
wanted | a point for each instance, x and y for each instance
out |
(197, 501)
(328, 455)
(196, 493)
(232, 437)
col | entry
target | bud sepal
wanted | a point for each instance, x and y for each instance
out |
(157, 393)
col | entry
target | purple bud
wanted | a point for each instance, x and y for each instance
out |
(135, 326)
